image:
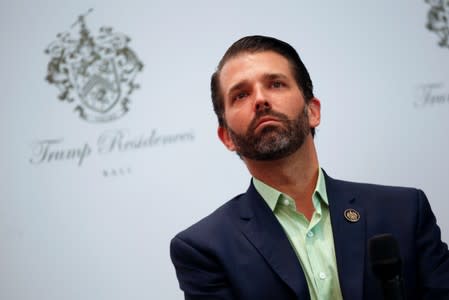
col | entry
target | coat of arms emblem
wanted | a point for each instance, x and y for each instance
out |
(96, 72)
(438, 20)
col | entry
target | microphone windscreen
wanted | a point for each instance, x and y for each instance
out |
(384, 255)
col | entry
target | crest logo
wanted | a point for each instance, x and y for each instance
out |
(96, 72)
(438, 20)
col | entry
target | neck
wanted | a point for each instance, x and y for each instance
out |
(295, 175)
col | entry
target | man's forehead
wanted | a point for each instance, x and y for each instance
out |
(248, 64)
(255, 57)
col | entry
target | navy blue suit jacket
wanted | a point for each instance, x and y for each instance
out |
(240, 251)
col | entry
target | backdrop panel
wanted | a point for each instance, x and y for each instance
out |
(109, 143)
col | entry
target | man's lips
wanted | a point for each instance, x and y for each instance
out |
(266, 120)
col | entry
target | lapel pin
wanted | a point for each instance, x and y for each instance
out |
(352, 215)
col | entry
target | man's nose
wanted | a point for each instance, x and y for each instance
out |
(262, 106)
(261, 103)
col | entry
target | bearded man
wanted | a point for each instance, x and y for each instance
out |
(296, 233)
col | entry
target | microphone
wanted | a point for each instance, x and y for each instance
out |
(386, 264)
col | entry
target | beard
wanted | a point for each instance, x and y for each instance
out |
(273, 141)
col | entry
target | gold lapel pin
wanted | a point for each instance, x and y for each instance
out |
(352, 215)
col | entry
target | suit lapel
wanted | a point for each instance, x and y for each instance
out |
(349, 237)
(263, 230)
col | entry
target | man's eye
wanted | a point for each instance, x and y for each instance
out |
(240, 95)
(277, 84)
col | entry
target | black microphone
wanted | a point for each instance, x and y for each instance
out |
(386, 264)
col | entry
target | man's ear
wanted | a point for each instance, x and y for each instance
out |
(223, 134)
(314, 112)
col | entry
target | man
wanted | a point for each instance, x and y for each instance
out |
(296, 233)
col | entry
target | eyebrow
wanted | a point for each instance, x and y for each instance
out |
(266, 76)
(237, 87)
(275, 76)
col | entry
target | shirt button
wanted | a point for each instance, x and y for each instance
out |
(322, 275)
(286, 202)
(310, 234)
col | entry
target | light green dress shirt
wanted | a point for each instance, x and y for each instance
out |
(312, 241)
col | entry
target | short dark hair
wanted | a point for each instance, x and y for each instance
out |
(254, 44)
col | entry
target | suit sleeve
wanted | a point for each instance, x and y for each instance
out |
(199, 273)
(434, 254)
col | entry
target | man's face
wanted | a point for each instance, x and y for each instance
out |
(265, 112)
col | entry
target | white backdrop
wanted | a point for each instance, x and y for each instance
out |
(100, 228)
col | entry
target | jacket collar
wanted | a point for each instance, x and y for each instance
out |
(348, 221)
(262, 229)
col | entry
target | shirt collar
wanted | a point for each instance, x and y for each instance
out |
(272, 196)
(320, 189)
